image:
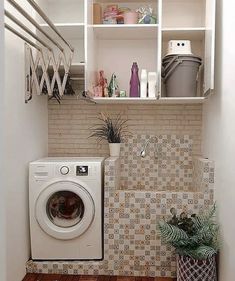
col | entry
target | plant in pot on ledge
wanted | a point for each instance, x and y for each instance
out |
(112, 130)
(195, 239)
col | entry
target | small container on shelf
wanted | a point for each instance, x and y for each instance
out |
(122, 94)
(97, 13)
(143, 83)
(131, 17)
(135, 81)
(110, 14)
(146, 15)
(113, 88)
(152, 84)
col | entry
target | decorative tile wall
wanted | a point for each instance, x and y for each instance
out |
(174, 154)
(203, 174)
(137, 172)
(132, 246)
(167, 165)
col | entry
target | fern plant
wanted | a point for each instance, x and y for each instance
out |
(195, 236)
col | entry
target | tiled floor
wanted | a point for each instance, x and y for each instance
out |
(58, 277)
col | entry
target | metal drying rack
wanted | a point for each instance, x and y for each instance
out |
(44, 59)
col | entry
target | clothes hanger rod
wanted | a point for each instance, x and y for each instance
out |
(22, 37)
(49, 22)
(30, 19)
(26, 29)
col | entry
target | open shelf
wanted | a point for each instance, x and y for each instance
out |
(191, 33)
(68, 30)
(183, 13)
(126, 31)
(127, 100)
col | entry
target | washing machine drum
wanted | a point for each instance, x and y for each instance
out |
(64, 210)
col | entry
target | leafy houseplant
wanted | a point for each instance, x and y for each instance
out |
(195, 239)
(112, 130)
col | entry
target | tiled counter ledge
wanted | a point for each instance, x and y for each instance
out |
(132, 246)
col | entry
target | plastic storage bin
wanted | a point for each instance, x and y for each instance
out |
(180, 75)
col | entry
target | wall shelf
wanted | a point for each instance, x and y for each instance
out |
(125, 31)
(114, 47)
(180, 100)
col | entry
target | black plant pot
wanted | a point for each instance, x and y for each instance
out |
(189, 269)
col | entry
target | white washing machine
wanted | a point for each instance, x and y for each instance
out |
(66, 208)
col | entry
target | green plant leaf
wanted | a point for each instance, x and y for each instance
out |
(171, 233)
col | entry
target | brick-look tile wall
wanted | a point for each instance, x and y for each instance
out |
(69, 124)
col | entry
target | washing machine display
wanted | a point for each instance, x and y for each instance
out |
(82, 170)
(66, 208)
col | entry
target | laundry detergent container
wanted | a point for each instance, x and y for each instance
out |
(180, 75)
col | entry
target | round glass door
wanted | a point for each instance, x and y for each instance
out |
(65, 208)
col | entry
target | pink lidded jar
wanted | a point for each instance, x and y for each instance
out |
(130, 18)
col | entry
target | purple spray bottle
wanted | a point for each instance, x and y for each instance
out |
(135, 81)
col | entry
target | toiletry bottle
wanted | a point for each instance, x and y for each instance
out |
(113, 86)
(152, 83)
(101, 81)
(134, 82)
(143, 83)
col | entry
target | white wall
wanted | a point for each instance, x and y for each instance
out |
(219, 134)
(2, 185)
(26, 140)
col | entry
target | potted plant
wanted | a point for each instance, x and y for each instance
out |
(195, 239)
(112, 130)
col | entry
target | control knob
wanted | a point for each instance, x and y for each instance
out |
(64, 170)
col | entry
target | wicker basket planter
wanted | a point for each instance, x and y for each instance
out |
(189, 269)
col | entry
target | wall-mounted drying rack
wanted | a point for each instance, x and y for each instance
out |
(42, 67)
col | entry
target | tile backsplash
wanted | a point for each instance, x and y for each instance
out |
(167, 165)
(69, 124)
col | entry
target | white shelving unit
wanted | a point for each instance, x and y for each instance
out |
(113, 48)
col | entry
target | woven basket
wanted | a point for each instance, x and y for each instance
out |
(189, 269)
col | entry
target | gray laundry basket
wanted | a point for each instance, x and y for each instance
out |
(179, 73)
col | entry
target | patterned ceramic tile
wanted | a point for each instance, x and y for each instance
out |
(166, 166)
(132, 246)
(174, 154)
(203, 174)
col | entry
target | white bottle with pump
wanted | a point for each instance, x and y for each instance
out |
(152, 83)
(143, 83)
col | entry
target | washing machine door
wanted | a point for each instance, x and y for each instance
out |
(64, 210)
